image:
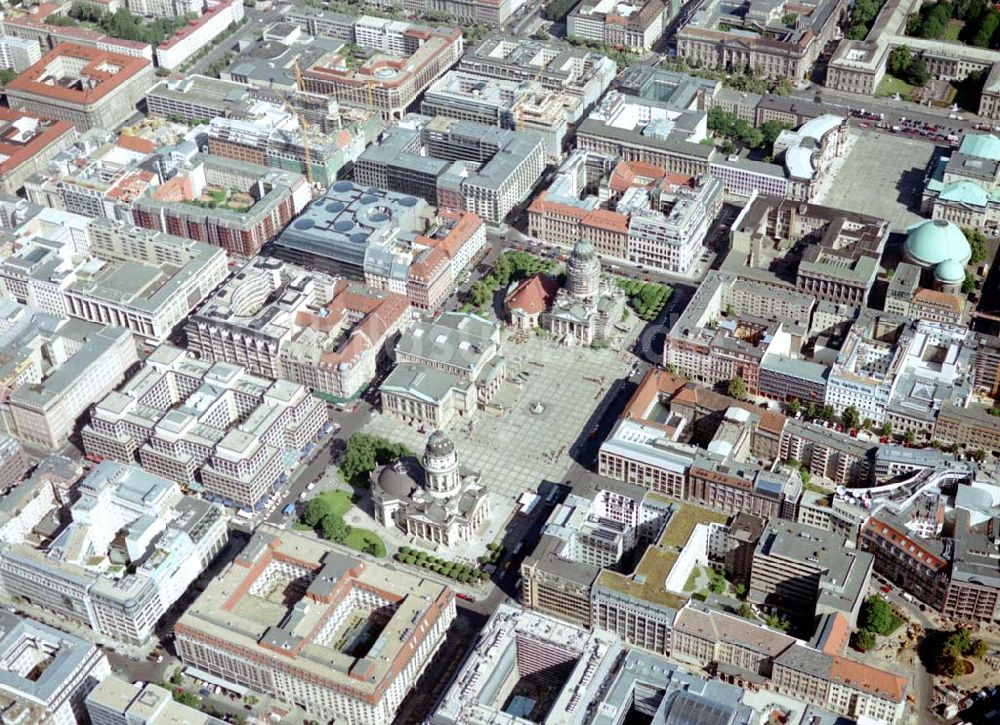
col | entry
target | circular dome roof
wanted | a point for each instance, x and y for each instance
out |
(395, 480)
(368, 199)
(439, 445)
(335, 206)
(343, 186)
(583, 251)
(950, 270)
(408, 201)
(343, 225)
(935, 240)
(304, 223)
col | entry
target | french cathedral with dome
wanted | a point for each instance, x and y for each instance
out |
(584, 311)
(433, 499)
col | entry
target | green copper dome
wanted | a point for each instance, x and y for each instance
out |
(936, 240)
(950, 271)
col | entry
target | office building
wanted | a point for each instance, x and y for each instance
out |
(47, 673)
(434, 499)
(34, 24)
(749, 654)
(827, 453)
(399, 60)
(526, 665)
(456, 164)
(248, 204)
(446, 367)
(18, 54)
(642, 214)
(391, 240)
(117, 702)
(641, 605)
(578, 73)
(754, 35)
(132, 546)
(835, 253)
(271, 135)
(14, 461)
(144, 281)
(517, 106)
(85, 86)
(305, 651)
(594, 528)
(807, 573)
(212, 21)
(27, 143)
(635, 25)
(56, 368)
(964, 187)
(211, 426)
(480, 12)
(914, 564)
(283, 321)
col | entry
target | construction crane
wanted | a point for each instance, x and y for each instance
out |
(303, 125)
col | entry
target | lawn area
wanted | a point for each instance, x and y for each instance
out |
(358, 539)
(952, 30)
(339, 501)
(682, 523)
(891, 85)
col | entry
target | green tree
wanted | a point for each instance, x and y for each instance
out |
(886, 429)
(863, 640)
(969, 283)
(876, 615)
(334, 528)
(977, 244)
(794, 406)
(909, 436)
(827, 412)
(740, 589)
(737, 388)
(919, 73)
(746, 611)
(779, 623)
(851, 417)
(899, 61)
(316, 510)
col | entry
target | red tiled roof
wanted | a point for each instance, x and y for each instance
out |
(31, 80)
(533, 295)
(17, 152)
(135, 143)
(870, 679)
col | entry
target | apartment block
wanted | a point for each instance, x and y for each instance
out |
(917, 566)
(212, 21)
(283, 321)
(254, 203)
(18, 54)
(300, 652)
(635, 25)
(117, 702)
(211, 426)
(481, 12)
(14, 461)
(48, 673)
(118, 585)
(57, 368)
(518, 647)
(102, 92)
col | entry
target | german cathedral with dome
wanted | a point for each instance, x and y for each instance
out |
(433, 499)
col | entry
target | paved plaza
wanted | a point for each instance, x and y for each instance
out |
(882, 175)
(517, 450)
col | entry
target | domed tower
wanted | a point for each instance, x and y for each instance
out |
(583, 271)
(441, 466)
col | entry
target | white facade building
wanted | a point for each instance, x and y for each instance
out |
(46, 674)
(18, 54)
(199, 34)
(133, 546)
